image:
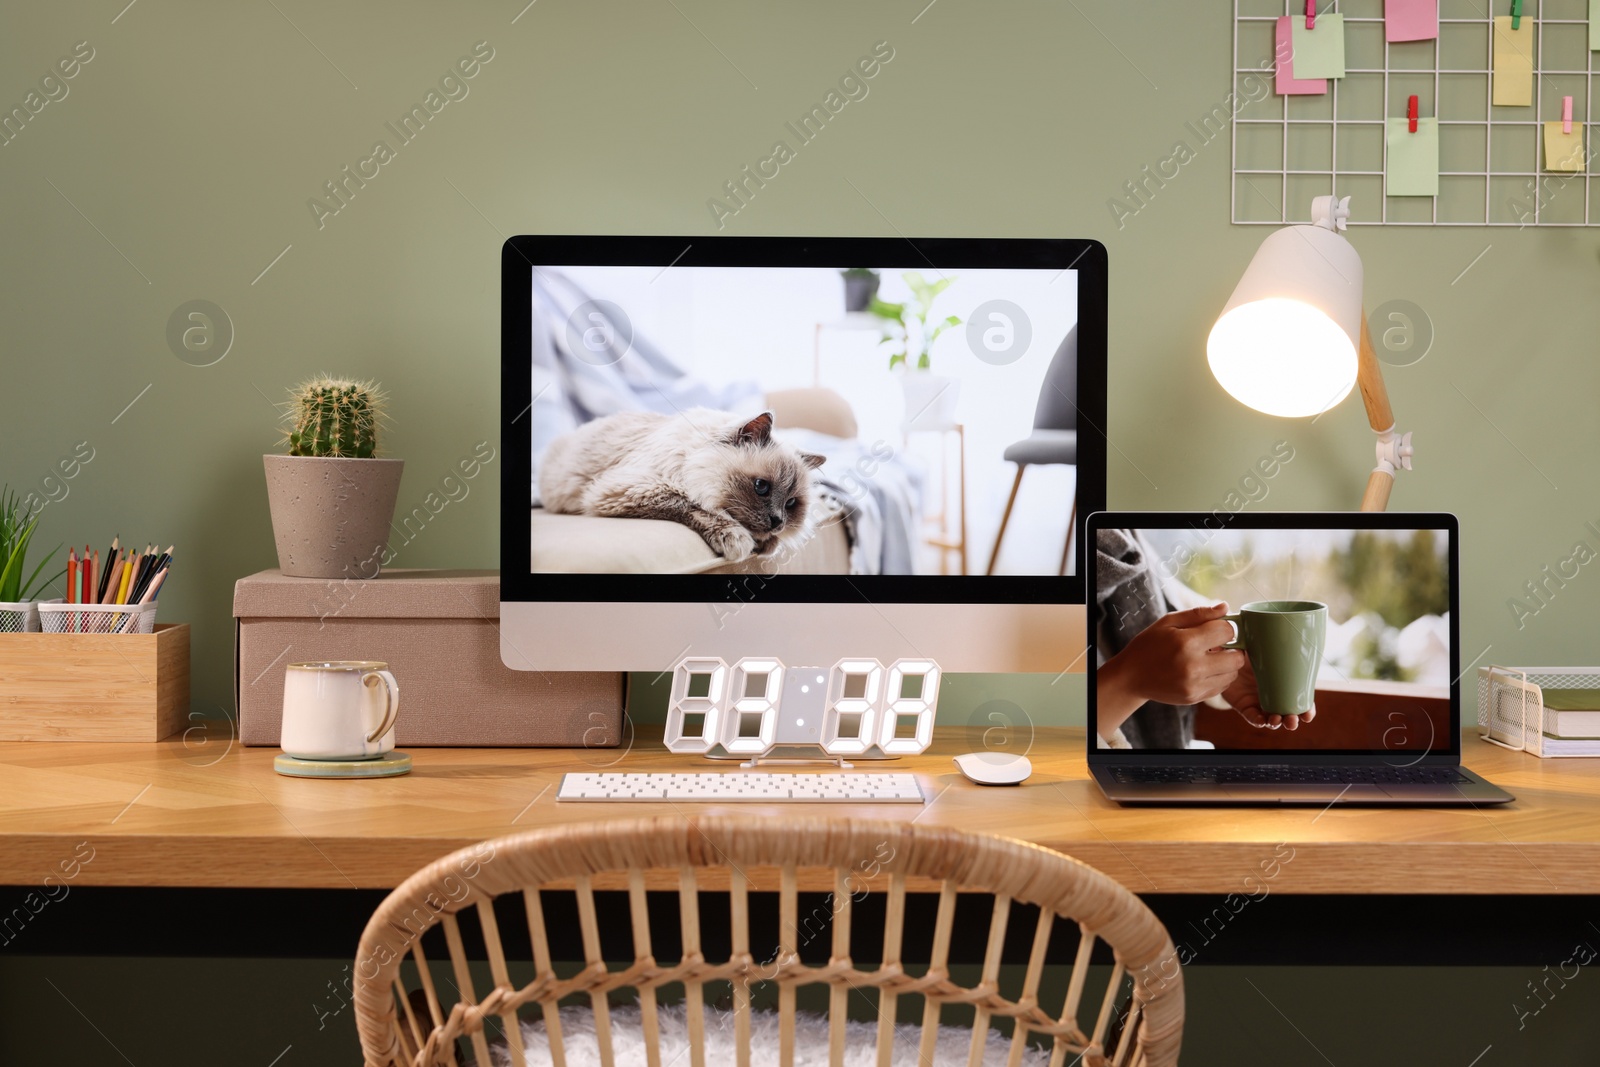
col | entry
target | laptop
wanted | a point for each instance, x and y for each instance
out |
(1335, 677)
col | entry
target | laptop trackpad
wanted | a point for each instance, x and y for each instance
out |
(1267, 792)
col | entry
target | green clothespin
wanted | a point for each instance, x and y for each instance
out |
(1516, 14)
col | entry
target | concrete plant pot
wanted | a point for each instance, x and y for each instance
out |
(331, 517)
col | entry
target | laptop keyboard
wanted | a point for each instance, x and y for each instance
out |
(1288, 775)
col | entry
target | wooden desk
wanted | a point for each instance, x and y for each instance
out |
(173, 815)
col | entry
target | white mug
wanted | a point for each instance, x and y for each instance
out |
(338, 710)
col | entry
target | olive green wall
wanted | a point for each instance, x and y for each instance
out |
(181, 161)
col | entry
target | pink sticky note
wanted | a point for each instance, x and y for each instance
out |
(1288, 84)
(1410, 20)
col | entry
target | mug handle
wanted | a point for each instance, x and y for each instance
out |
(1237, 644)
(391, 702)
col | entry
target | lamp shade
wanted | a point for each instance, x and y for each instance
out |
(1287, 342)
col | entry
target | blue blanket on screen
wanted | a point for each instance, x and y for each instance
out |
(585, 368)
(875, 493)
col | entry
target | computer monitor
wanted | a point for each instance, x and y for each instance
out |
(800, 448)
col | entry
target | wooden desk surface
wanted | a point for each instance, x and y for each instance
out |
(174, 815)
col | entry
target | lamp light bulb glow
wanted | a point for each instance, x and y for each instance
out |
(1282, 357)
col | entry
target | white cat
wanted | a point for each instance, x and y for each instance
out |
(722, 476)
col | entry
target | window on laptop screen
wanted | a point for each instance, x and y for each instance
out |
(1348, 634)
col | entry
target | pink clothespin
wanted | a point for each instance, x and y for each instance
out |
(1411, 113)
(1566, 114)
(1311, 14)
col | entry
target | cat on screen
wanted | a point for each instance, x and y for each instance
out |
(721, 475)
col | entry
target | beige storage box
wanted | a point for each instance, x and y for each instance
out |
(439, 631)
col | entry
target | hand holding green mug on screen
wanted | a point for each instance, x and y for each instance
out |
(1283, 640)
(1182, 659)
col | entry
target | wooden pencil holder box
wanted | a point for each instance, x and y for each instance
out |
(94, 687)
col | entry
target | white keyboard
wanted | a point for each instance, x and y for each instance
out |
(733, 787)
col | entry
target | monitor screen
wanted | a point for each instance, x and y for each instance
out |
(825, 420)
(1340, 635)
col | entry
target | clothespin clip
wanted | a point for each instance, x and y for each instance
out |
(1411, 113)
(1516, 14)
(1311, 14)
(1566, 114)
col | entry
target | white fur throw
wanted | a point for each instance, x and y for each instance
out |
(811, 1041)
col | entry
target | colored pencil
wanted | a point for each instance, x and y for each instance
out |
(72, 576)
(108, 575)
(143, 583)
(122, 586)
(116, 578)
(91, 566)
(117, 582)
(157, 559)
(106, 571)
(145, 563)
(155, 585)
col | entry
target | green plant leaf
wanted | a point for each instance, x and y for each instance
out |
(28, 588)
(950, 320)
(885, 310)
(11, 576)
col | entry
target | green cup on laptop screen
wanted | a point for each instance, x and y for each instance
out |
(1284, 640)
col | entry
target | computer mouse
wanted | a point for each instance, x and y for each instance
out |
(994, 768)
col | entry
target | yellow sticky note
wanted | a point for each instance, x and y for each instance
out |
(1513, 62)
(1563, 151)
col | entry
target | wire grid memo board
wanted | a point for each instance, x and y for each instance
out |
(1491, 158)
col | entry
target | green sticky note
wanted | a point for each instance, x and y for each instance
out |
(1319, 52)
(1413, 161)
(1594, 25)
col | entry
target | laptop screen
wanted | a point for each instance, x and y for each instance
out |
(1298, 635)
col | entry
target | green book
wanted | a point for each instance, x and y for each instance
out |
(1572, 699)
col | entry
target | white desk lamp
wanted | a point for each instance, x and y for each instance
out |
(1292, 340)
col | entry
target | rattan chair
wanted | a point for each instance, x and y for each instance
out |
(706, 861)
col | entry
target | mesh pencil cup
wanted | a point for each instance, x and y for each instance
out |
(59, 618)
(21, 617)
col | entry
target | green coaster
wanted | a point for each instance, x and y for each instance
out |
(383, 767)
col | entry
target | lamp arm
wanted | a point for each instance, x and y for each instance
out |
(1394, 449)
(1369, 376)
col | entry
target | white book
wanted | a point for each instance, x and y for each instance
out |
(1572, 724)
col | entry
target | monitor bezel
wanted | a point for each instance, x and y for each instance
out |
(1449, 753)
(520, 255)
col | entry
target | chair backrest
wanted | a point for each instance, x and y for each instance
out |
(732, 859)
(1058, 396)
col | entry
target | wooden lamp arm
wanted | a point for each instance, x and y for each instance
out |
(1376, 498)
(1375, 395)
(1369, 376)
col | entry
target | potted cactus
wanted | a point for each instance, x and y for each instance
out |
(332, 498)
